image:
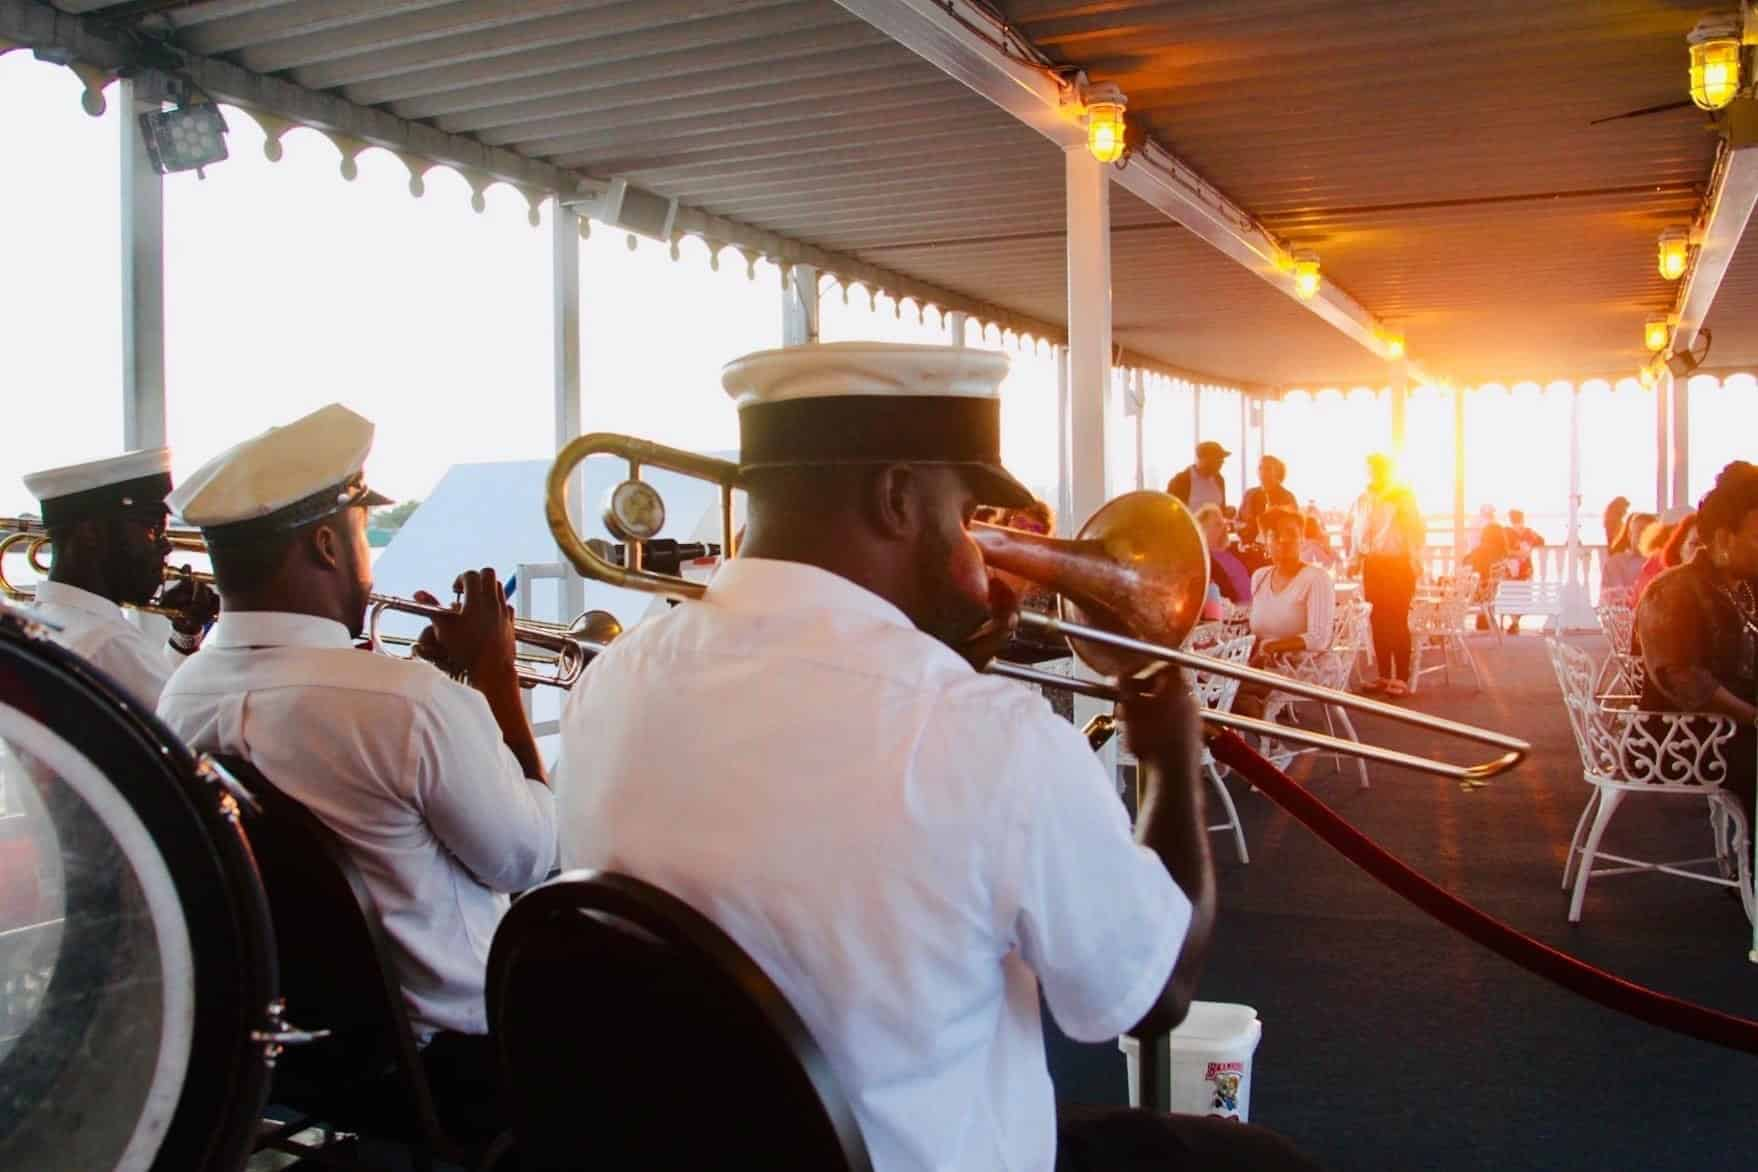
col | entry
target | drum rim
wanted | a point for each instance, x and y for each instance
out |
(236, 987)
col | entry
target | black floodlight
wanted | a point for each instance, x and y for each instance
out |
(186, 138)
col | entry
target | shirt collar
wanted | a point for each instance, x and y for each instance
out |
(274, 628)
(768, 585)
(73, 598)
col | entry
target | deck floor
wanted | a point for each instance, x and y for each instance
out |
(1391, 1043)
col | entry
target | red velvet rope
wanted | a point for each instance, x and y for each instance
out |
(1577, 976)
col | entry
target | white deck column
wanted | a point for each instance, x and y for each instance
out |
(1681, 443)
(799, 307)
(1577, 606)
(565, 348)
(143, 283)
(1066, 521)
(1245, 444)
(1139, 398)
(1089, 327)
(1662, 447)
(1400, 401)
(1459, 550)
(955, 327)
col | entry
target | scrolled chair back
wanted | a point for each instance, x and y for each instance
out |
(1630, 746)
(1617, 618)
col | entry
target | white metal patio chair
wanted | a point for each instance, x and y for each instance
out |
(1625, 751)
(1437, 623)
(1216, 692)
(1329, 669)
(1622, 674)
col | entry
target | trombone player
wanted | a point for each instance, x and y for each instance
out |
(106, 521)
(909, 848)
(434, 788)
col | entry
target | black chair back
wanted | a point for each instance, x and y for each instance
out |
(633, 1032)
(337, 974)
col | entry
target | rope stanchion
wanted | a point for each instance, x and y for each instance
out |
(1573, 974)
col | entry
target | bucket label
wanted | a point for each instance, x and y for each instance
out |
(1226, 1078)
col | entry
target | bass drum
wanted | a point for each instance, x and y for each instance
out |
(138, 1015)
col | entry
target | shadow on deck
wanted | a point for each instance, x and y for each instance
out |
(1391, 1043)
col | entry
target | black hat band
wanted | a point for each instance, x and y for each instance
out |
(107, 500)
(871, 429)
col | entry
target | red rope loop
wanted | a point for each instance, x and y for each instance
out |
(1572, 973)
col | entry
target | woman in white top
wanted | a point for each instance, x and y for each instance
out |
(1292, 603)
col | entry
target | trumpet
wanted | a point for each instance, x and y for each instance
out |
(1131, 586)
(563, 650)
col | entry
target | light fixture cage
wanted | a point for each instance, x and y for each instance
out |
(1675, 252)
(1107, 128)
(186, 138)
(1656, 333)
(1716, 66)
(1306, 274)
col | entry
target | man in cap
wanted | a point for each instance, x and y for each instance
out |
(435, 788)
(106, 527)
(907, 847)
(1202, 483)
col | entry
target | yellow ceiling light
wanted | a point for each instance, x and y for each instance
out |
(1715, 61)
(1648, 376)
(1656, 333)
(1394, 344)
(1306, 274)
(1675, 252)
(1106, 136)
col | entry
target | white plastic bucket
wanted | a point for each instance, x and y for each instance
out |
(1210, 1061)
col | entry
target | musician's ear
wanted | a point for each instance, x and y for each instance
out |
(892, 499)
(324, 544)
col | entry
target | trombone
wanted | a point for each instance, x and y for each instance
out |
(563, 649)
(1131, 586)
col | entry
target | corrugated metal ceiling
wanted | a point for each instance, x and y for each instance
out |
(1435, 152)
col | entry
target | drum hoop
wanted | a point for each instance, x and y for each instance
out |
(170, 928)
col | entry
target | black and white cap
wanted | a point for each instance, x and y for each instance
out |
(102, 487)
(875, 403)
(280, 480)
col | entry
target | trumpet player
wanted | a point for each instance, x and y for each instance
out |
(435, 788)
(910, 849)
(106, 522)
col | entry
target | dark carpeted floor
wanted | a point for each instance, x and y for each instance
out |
(1390, 1043)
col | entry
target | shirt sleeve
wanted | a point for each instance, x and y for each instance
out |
(1321, 609)
(1100, 920)
(133, 662)
(471, 791)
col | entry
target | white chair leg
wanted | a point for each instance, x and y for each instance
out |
(1232, 812)
(1580, 829)
(1349, 733)
(1608, 805)
(1470, 661)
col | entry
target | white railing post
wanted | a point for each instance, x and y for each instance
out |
(565, 343)
(142, 216)
(1089, 327)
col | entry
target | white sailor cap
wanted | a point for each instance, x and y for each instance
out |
(101, 487)
(875, 403)
(280, 480)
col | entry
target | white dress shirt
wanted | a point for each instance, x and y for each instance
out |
(900, 842)
(406, 766)
(1305, 606)
(93, 627)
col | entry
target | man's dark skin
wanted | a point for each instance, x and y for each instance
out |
(324, 569)
(900, 531)
(122, 558)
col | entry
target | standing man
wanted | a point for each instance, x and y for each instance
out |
(1201, 483)
(1386, 536)
(435, 789)
(106, 523)
(1269, 494)
(909, 848)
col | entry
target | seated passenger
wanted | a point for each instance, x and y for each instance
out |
(1225, 568)
(1292, 605)
(435, 789)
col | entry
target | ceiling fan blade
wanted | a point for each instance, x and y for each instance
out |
(1643, 111)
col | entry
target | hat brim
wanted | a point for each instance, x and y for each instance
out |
(373, 499)
(995, 485)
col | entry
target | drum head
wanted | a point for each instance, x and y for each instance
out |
(135, 952)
